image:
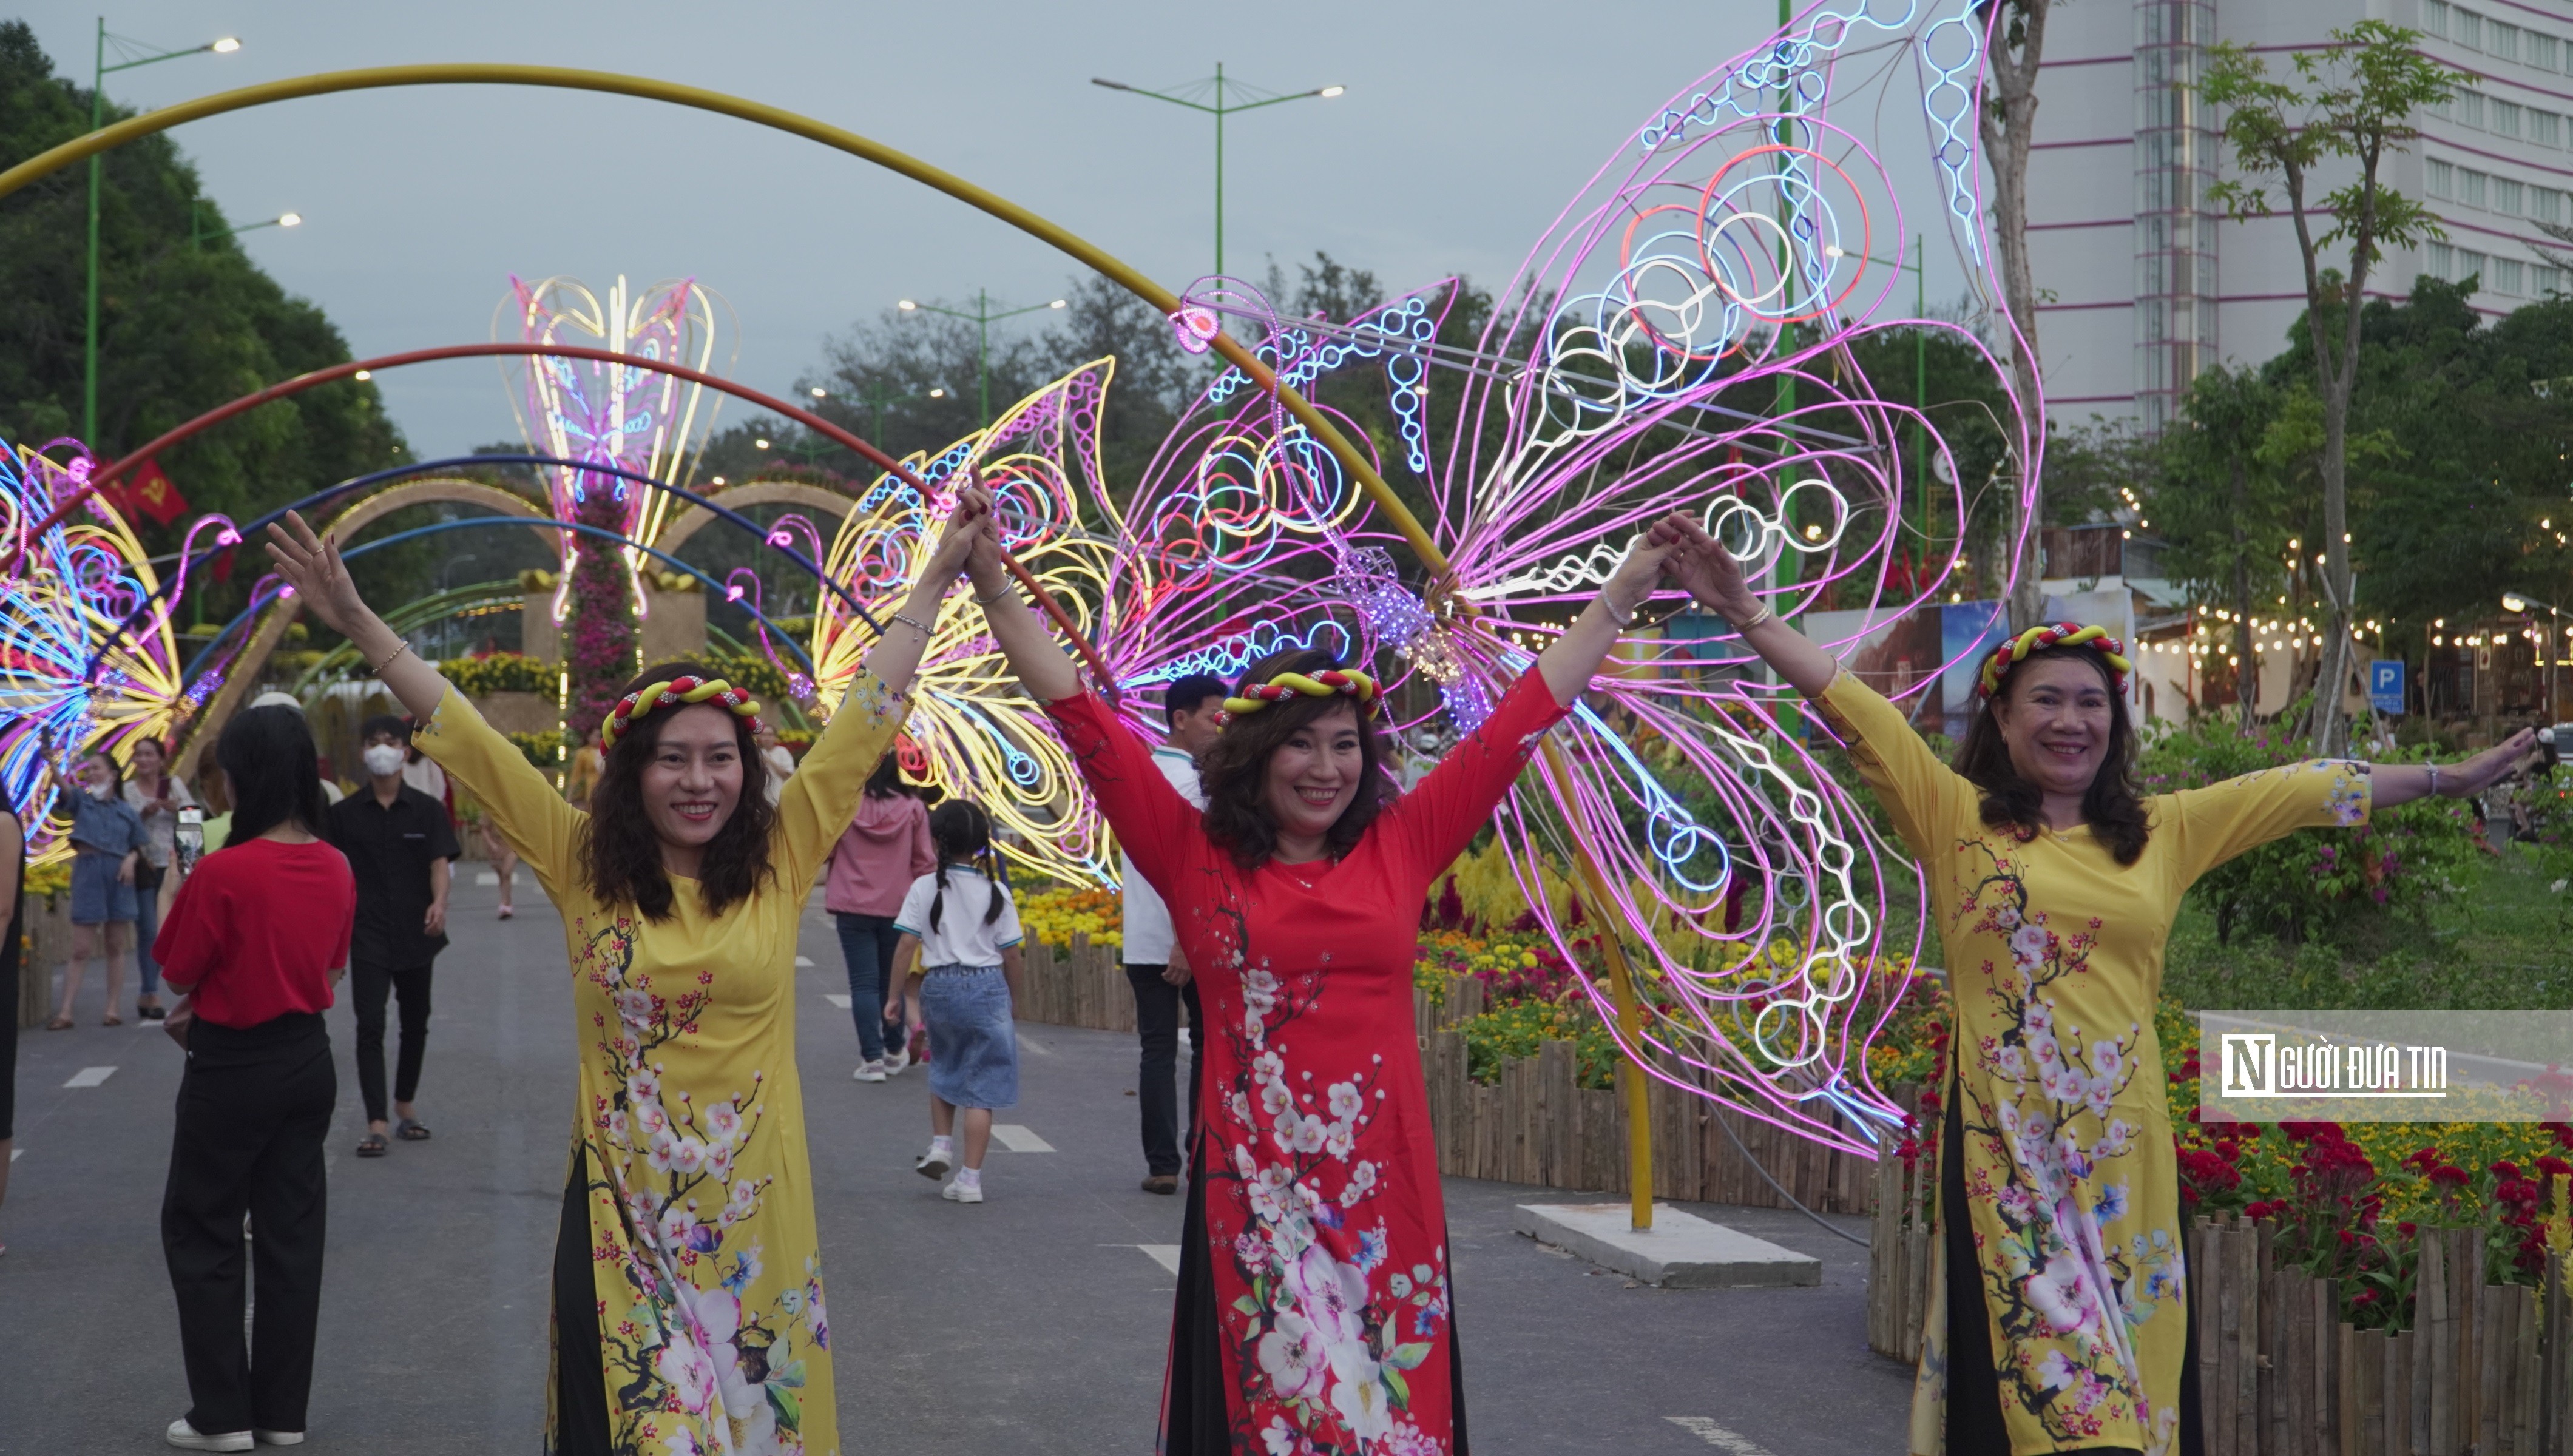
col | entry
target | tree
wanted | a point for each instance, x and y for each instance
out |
(2350, 105)
(183, 327)
(2008, 124)
(2221, 505)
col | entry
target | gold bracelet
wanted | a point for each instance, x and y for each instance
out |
(378, 669)
(1762, 615)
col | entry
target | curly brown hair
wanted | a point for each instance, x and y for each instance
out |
(1235, 770)
(2114, 812)
(621, 852)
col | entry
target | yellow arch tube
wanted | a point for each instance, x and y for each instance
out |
(482, 74)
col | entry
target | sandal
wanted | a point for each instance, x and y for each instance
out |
(508, 912)
(111, 1019)
(372, 1145)
(59, 1024)
(410, 1131)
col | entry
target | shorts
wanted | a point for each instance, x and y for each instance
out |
(98, 897)
(973, 1050)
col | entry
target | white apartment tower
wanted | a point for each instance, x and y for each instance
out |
(2143, 284)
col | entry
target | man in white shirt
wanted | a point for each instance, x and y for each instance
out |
(1155, 964)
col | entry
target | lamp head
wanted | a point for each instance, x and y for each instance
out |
(290, 220)
(906, 306)
(1327, 92)
(938, 393)
(820, 393)
(1059, 304)
(226, 45)
(759, 445)
(2512, 601)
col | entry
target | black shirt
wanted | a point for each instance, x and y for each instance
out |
(390, 847)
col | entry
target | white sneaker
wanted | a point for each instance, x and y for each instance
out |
(872, 1071)
(187, 1438)
(896, 1060)
(961, 1191)
(278, 1438)
(934, 1164)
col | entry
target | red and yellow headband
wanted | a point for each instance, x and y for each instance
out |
(2062, 634)
(677, 692)
(1320, 685)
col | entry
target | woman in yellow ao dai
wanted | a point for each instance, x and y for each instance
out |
(689, 1317)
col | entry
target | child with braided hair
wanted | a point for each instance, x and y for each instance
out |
(960, 968)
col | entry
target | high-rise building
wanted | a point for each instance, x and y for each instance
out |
(2144, 284)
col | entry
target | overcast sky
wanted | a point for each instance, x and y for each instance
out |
(1463, 130)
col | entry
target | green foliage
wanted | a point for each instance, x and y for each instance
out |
(543, 749)
(182, 328)
(1517, 1030)
(2316, 883)
(502, 672)
(2356, 104)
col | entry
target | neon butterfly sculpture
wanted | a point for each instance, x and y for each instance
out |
(622, 415)
(1209, 564)
(1680, 340)
(84, 663)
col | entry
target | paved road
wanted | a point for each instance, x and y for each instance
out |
(1034, 1323)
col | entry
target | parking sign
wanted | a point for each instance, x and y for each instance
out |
(2386, 685)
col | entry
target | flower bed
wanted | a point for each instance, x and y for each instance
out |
(1052, 914)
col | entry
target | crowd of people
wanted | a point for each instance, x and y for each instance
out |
(1278, 846)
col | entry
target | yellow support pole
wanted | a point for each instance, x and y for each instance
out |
(1630, 1025)
(81, 147)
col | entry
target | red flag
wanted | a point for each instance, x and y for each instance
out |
(152, 493)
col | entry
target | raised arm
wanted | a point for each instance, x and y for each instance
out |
(1714, 580)
(2401, 783)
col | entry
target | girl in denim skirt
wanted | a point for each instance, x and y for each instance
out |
(108, 840)
(960, 925)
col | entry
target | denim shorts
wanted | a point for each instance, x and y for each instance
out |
(98, 897)
(973, 1051)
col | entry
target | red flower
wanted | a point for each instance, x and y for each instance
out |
(2506, 1169)
(2313, 1132)
(2549, 1167)
(2445, 1176)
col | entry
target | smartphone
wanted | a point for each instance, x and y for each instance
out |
(190, 838)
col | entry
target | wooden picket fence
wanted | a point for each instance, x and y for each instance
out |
(2486, 1369)
(47, 943)
(1535, 1125)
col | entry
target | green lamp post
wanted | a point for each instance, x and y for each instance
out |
(982, 318)
(1219, 110)
(221, 46)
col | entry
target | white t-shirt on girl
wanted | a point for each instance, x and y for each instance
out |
(961, 939)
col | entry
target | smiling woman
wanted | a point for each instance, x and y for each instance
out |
(2061, 1320)
(687, 1282)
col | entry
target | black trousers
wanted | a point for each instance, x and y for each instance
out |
(1975, 1425)
(253, 1107)
(581, 1359)
(368, 986)
(1157, 1024)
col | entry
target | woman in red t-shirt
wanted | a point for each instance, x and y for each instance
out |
(256, 940)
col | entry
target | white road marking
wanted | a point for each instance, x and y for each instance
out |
(1019, 1140)
(1164, 1254)
(16, 1153)
(91, 1075)
(1033, 1044)
(803, 962)
(488, 876)
(836, 998)
(1715, 1435)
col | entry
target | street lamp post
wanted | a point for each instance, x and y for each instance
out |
(198, 237)
(1219, 110)
(221, 46)
(982, 318)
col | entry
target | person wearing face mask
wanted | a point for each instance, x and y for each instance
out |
(2062, 1319)
(108, 840)
(157, 799)
(402, 848)
(1313, 1202)
(687, 1289)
